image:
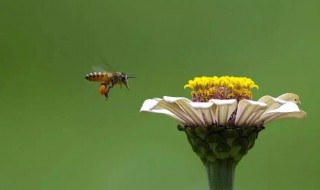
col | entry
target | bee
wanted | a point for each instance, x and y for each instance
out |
(108, 80)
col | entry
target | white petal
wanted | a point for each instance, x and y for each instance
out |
(222, 110)
(287, 110)
(149, 104)
(171, 99)
(205, 108)
(247, 110)
(269, 100)
(272, 103)
(194, 114)
(166, 112)
(201, 105)
(223, 102)
(184, 104)
(252, 120)
(158, 106)
(290, 97)
(176, 110)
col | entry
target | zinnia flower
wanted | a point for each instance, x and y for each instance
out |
(222, 121)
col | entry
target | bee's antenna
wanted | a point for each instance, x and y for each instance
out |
(131, 76)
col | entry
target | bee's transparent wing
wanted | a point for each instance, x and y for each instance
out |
(103, 67)
(96, 68)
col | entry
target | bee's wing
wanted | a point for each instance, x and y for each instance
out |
(105, 66)
(96, 68)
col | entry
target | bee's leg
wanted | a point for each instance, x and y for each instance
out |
(112, 82)
(107, 92)
(106, 95)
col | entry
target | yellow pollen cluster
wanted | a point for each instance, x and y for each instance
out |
(225, 87)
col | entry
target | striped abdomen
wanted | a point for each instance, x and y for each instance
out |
(97, 77)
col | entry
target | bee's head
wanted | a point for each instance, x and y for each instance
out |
(125, 77)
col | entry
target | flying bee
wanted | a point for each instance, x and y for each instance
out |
(108, 80)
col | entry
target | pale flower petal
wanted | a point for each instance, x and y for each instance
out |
(272, 103)
(222, 110)
(269, 100)
(219, 112)
(184, 104)
(149, 104)
(287, 110)
(201, 105)
(247, 110)
(205, 109)
(215, 111)
(290, 97)
(158, 106)
(168, 113)
(194, 114)
(171, 99)
(176, 109)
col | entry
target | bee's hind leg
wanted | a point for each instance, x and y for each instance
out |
(107, 93)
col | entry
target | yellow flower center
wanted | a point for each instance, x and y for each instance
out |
(225, 87)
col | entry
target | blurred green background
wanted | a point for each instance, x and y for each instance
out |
(57, 132)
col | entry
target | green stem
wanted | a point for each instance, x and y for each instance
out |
(221, 174)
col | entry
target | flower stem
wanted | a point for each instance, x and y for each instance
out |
(221, 174)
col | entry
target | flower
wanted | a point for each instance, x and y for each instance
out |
(219, 101)
(222, 121)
